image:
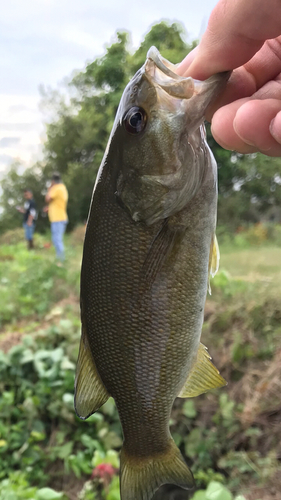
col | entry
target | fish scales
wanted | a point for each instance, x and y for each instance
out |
(145, 274)
(160, 317)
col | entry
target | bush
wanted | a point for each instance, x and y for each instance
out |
(38, 426)
(78, 235)
(30, 283)
(12, 237)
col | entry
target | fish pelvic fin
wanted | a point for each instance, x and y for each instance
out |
(140, 477)
(203, 376)
(90, 393)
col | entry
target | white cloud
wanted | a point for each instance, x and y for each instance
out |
(20, 128)
(6, 142)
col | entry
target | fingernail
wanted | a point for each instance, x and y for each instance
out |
(275, 127)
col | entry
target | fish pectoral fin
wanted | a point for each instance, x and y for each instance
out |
(90, 393)
(159, 251)
(141, 476)
(203, 376)
(214, 260)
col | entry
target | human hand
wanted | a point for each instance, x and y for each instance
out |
(245, 35)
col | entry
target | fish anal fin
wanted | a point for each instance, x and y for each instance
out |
(90, 393)
(203, 377)
(214, 260)
(141, 476)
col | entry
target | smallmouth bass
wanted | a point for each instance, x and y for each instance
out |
(149, 250)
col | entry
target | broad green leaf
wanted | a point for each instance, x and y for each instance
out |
(189, 409)
(199, 495)
(65, 450)
(216, 491)
(48, 494)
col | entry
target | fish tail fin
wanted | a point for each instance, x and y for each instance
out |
(141, 476)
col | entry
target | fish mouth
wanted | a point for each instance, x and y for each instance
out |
(162, 73)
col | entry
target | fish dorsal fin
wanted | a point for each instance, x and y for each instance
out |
(90, 392)
(203, 376)
(214, 260)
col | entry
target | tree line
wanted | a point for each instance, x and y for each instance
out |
(77, 134)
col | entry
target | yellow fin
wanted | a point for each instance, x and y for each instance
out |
(203, 376)
(141, 476)
(90, 392)
(214, 259)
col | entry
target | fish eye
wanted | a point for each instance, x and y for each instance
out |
(135, 120)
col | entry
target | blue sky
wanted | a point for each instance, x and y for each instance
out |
(43, 41)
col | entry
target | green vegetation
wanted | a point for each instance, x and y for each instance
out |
(230, 437)
(30, 283)
(80, 121)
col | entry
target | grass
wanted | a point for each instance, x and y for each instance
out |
(31, 282)
(232, 435)
(260, 265)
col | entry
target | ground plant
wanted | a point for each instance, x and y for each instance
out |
(230, 437)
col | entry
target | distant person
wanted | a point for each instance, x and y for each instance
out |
(29, 217)
(57, 197)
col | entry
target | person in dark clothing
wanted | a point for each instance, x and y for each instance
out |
(29, 217)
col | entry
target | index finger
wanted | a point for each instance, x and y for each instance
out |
(236, 30)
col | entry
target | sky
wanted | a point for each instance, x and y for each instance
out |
(44, 41)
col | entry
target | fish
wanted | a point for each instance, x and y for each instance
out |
(149, 251)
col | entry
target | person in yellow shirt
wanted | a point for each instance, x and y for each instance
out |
(57, 197)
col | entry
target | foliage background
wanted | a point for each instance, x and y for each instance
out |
(79, 125)
(231, 438)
